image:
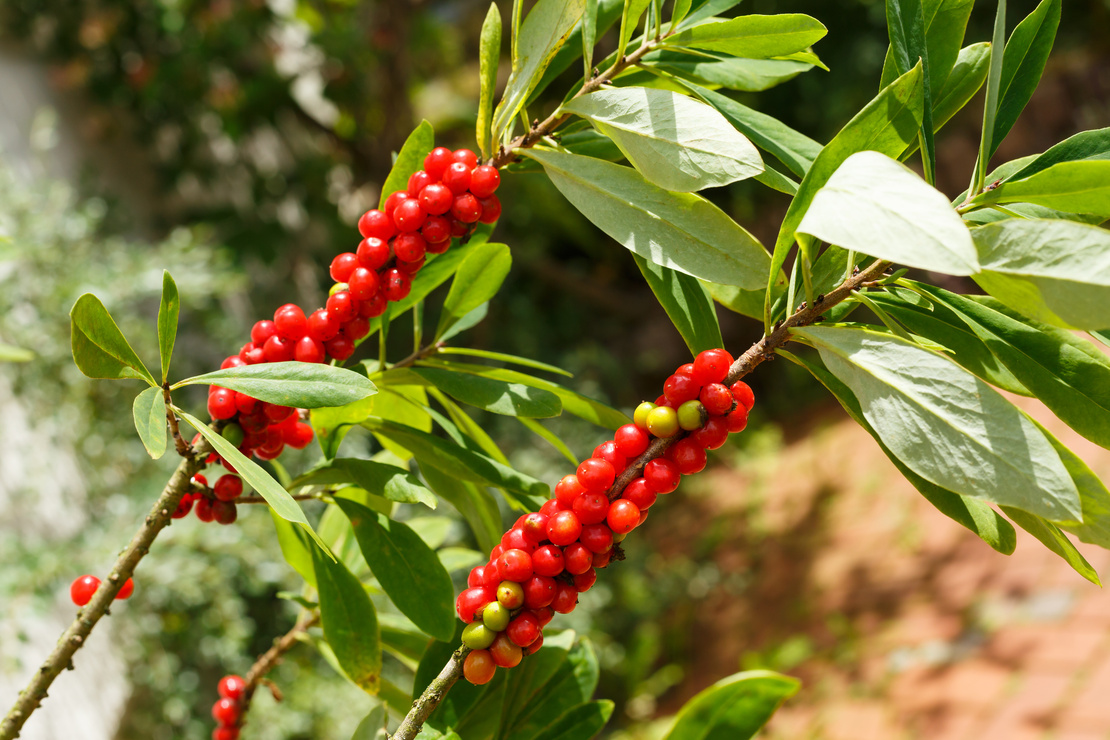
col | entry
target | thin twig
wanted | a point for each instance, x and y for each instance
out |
(272, 657)
(426, 703)
(183, 448)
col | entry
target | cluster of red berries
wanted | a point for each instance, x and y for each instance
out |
(82, 589)
(228, 709)
(215, 504)
(446, 199)
(551, 556)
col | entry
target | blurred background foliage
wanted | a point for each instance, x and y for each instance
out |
(235, 143)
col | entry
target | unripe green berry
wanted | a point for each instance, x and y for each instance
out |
(641, 414)
(496, 616)
(477, 636)
(233, 433)
(662, 421)
(619, 537)
(337, 288)
(510, 594)
(690, 415)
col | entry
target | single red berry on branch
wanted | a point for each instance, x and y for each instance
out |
(232, 687)
(82, 589)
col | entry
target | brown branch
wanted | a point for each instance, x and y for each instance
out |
(272, 657)
(79, 630)
(426, 703)
(183, 447)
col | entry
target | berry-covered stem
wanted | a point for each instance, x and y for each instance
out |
(426, 703)
(270, 659)
(73, 639)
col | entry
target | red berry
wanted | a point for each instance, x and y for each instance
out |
(742, 392)
(687, 369)
(688, 456)
(534, 528)
(437, 161)
(276, 412)
(457, 178)
(505, 652)
(585, 581)
(591, 507)
(224, 512)
(184, 506)
(566, 598)
(339, 348)
(711, 366)
(261, 331)
(221, 404)
(623, 516)
(364, 283)
(563, 528)
(601, 559)
(473, 600)
(278, 349)
(418, 181)
(662, 475)
(515, 565)
(226, 711)
(290, 322)
(713, 434)
(567, 490)
(467, 157)
(377, 225)
(458, 228)
(596, 537)
(322, 326)
(639, 493)
(373, 253)
(437, 233)
(342, 265)
(233, 361)
(342, 306)
(681, 388)
(716, 398)
(82, 590)
(409, 215)
(204, 509)
(514, 539)
(484, 181)
(409, 247)
(738, 419)
(491, 209)
(308, 349)
(436, 199)
(231, 687)
(550, 508)
(596, 475)
(254, 356)
(410, 268)
(396, 284)
(609, 452)
(356, 328)
(466, 208)
(538, 591)
(547, 561)
(300, 435)
(228, 487)
(545, 615)
(577, 558)
(491, 576)
(395, 199)
(373, 307)
(478, 668)
(534, 647)
(524, 629)
(496, 552)
(225, 733)
(631, 440)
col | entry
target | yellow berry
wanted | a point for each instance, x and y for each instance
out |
(641, 414)
(663, 421)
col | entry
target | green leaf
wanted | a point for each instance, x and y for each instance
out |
(295, 548)
(372, 727)
(478, 279)
(168, 311)
(945, 23)
(455, 460)
(630, 19)
(551, 438)
(489, 55)
(1053, 271)
(734, 708)
(608, 13)
(588, 32)
(469, 321)
(1081, 186)
(1095, 528)
(331, 423)
(1022, 65)
(497, 396)
(966, 78)
(687, 303)
(475, 504)
(99, 347)
(469, 427)
(795, 150)
(303, 385)
(875, 205)
(584, 720)
(381, 479)
(681, 231)
(709, 69)
(8, 353)
(547, 27)
(149, 411)
(704, 10)
(277, 497)
(945, 424)
(990, 105)
(906, 23)
(969, 512)
(407, 569)
(677, 143)
(1084, 146)
(409, 160)
(544, 691)
(753, 36)
(744, 302)
(679, 11)
(405, 405)
(589, 409)
(886, 125)
(1055, 540)
(350, 622)
(502, 357)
